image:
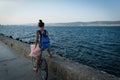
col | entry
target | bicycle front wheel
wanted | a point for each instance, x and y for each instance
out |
(43, 69)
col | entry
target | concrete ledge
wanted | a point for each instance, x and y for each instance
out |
(17, 45)
(63, 68)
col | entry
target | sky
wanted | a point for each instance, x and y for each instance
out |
(55, 11)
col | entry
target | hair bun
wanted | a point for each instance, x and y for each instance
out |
(40, 21)
(41, 24)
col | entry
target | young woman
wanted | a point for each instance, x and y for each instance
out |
(38, 42)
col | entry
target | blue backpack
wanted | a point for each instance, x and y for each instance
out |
(44, 42)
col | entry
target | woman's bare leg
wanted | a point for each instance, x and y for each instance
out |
(36, 63)
(49, 52)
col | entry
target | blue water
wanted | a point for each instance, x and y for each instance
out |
(98, 47)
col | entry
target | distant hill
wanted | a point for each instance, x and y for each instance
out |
(95, 23)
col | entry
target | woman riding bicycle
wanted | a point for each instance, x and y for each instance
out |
(40, 32)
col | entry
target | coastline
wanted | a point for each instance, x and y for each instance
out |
(70, 24)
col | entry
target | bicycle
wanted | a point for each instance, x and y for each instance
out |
(42, 67)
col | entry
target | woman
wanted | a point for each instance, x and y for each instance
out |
(38, 36)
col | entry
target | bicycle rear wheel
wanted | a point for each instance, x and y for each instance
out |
(43, 69)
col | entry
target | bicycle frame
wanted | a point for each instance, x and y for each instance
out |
(33, 58)
(42, 62)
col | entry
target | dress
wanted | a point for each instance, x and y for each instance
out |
(34, 51)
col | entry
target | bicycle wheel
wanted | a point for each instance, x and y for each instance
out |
(43, 69)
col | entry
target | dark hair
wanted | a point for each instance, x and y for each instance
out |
(41, 23)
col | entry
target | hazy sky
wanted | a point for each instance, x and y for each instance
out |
(30, 11)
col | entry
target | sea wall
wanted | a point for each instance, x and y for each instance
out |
(62, 67)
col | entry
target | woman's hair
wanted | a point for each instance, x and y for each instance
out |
(41, 24)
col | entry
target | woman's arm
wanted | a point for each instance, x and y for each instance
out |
(37, 37)
(47, 33)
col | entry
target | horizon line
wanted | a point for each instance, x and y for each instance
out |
(63, 22)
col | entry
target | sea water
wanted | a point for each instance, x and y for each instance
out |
(98, 47)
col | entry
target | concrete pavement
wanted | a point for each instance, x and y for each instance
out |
(14, 66)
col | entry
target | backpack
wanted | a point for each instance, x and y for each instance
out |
(44, 41)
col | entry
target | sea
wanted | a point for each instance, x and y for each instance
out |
(95, 46)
